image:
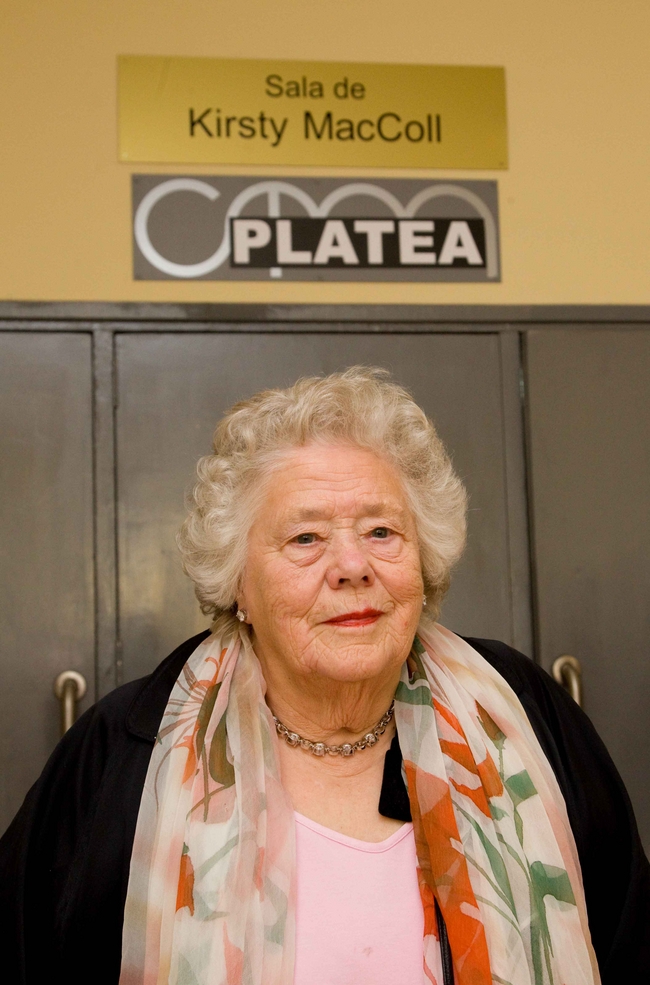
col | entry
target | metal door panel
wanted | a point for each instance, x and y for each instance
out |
(46, 547)
(172, 390)
(588, 407)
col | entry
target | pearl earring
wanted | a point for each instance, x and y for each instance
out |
(242, 615)
(424, 600)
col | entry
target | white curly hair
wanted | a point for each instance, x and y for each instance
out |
(361, 407)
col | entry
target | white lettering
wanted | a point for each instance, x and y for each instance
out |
(249, 234)
(375, 229)
(412, 240)
(286, 252)
(459, 243)
(335, 242)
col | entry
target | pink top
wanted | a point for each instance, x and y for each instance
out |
(359, 918)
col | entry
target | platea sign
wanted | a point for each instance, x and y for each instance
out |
(251, 228)
(242, 111)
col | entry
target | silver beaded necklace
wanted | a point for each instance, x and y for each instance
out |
(347, 749)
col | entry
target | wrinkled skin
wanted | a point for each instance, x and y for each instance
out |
(334, 534)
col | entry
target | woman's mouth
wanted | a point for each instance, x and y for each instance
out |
(363, 618)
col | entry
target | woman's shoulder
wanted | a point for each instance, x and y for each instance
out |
(70, 843)
(522, 673)
(578, 756)
(116, 733)
(614, 868)
(139, 705)
(544, 700)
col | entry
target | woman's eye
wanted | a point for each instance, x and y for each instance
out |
(305, 539)
(381, 533)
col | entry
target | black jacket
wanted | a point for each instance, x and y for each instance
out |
(64, 861)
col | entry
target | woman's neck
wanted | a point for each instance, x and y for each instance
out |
(325, 710)
(340, 792)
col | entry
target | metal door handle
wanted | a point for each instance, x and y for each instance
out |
(69, 687)
(568, 672)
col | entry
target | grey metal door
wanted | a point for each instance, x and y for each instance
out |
(57, 560)
(46, 547)
(173, 387)
(589, 425)
(589, 476)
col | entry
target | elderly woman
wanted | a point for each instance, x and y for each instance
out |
(328, 788)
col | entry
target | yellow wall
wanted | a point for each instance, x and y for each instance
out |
(575, 203)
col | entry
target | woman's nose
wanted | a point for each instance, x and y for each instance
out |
(349, 566)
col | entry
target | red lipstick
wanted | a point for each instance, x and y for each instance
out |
(363, 618)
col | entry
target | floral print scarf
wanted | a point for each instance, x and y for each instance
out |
(211, 893)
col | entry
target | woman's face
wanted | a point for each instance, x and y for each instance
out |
(333, 583)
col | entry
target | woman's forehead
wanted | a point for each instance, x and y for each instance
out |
(331, 509)
(321, 482)
(322, 487)
(336, 462)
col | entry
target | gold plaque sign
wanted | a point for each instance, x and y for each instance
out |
(240, 111)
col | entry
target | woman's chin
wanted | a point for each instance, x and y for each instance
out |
(353, 664)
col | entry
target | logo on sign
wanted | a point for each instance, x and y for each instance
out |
(357, 230)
